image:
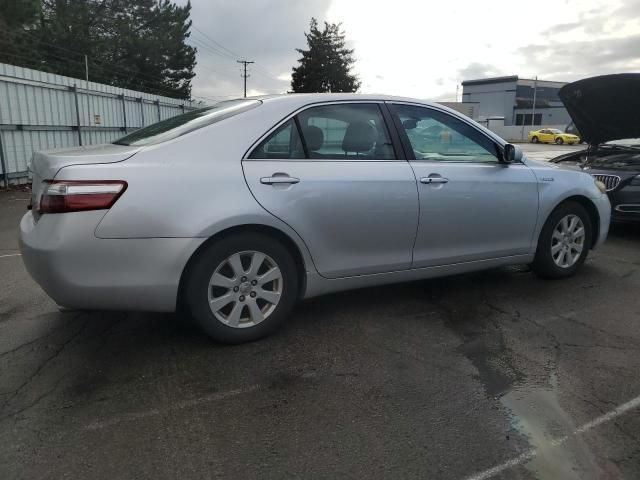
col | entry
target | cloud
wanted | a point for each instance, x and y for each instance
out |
(562, 28)
(420, 54)
(265, 31)
(568, 61)
(479, 70)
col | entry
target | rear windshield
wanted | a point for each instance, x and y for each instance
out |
(188, 122)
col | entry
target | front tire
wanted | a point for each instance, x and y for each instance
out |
(564, 242)
(559, 141)
(534, 140)
(242, 288)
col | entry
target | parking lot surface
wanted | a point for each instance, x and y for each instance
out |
(544, 152)
(491, 375)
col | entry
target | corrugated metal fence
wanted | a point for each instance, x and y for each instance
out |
(40, 111)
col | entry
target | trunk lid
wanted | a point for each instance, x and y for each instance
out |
(604, 108)
(46, 164)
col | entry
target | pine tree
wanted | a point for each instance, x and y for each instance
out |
(18, 19)
(146, 44)
(326, 65)
(136, 44)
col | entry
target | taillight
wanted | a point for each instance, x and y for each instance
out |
(61, 196)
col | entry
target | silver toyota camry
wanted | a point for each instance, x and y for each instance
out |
(239, 210)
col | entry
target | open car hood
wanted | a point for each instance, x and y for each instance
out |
(604, 108)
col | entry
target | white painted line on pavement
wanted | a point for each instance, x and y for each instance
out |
(127, 417)
(11, 255)
(526, 456)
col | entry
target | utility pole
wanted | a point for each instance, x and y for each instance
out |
(244, 75)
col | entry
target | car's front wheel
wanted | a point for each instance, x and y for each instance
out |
(564, 241)
(242, 288)
(559, 141)
(534, 140)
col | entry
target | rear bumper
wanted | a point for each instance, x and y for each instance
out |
(78, 270)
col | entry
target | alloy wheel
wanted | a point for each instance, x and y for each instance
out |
(567, 241)
(245, 289)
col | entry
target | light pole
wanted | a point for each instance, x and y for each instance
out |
(535, 91)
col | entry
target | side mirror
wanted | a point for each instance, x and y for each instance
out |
(511, 153)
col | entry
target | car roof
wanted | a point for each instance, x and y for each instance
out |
(307, 98)
(294, 101)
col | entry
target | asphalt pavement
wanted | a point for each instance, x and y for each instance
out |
(497, 374)
(544, 152)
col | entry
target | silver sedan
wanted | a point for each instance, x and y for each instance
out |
(238, 210)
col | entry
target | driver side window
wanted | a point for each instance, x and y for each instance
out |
(438, 136)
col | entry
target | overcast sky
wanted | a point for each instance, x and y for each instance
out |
(415, 48)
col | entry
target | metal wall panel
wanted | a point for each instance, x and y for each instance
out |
(38, 112)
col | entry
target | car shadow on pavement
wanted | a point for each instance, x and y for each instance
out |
(628, 231)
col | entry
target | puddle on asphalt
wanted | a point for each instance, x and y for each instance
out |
(533, 407)
(536, 413)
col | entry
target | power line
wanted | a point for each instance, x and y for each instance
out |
(210, 69)
(60, 63)
(117, 72)
(227, 53)
(214, 47)
(222, 47)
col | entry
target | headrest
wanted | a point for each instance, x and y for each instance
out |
(359, 137)
(410, 123)
(314, 137)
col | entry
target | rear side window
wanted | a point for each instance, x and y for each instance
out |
(346, 132)
(283, 143)
(334, 132)
(180, 125)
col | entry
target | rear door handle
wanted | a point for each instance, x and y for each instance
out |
(434, 180)
(279, 180)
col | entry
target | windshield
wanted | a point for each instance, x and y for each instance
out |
(625, 142)
(188, 122)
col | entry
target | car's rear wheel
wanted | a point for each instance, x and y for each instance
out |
(242, 288)
(559, 141)
(534, 140)
(564, 241)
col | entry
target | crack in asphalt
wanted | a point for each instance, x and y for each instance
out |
(574, 320)
(28, 380)
(31, 342)
(598, 345)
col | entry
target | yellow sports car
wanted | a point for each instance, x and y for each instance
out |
(552, 135)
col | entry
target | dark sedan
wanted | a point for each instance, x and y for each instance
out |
(606, 110)
(617, 165)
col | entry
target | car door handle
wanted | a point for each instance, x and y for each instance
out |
(279, 180)
(434, 180)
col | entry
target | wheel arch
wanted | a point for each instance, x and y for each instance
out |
(270, 231)
(591, 209)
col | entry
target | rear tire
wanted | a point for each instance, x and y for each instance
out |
(564, 242)
(534, 140)
(242, 288)
(559, 141)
